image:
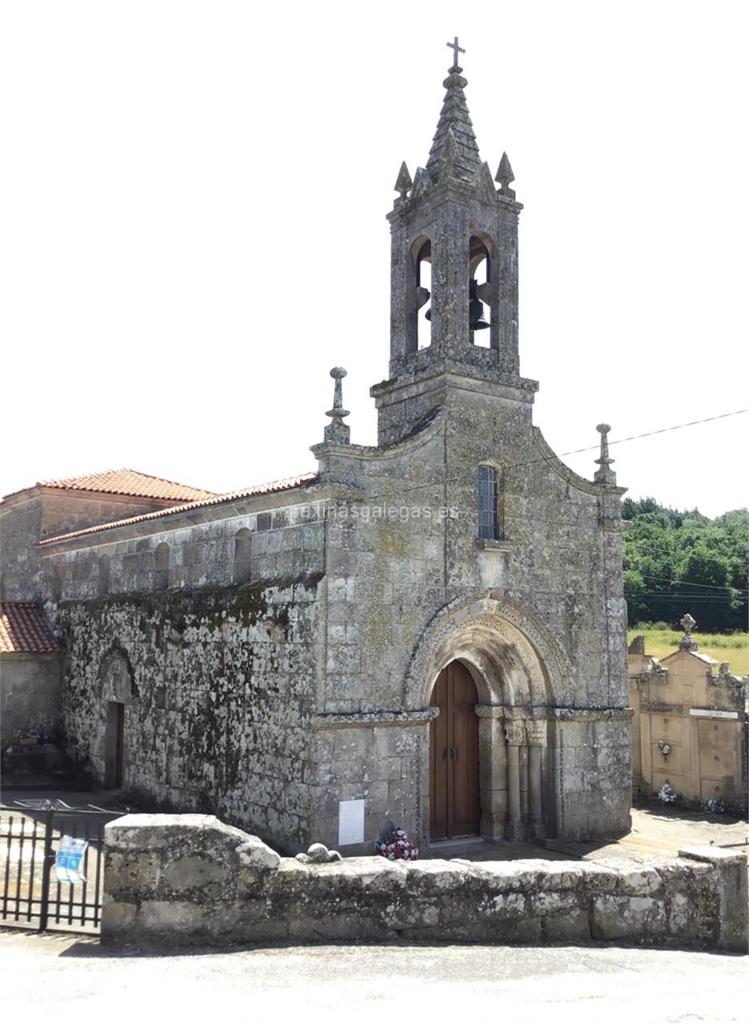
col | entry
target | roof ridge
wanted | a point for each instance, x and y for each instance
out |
(122, 469)
(163, 479)
(270, 487)
(124, 481)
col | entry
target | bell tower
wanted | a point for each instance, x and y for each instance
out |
(455, 231)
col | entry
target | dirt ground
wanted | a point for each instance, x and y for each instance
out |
(46, 977)
(657, 831)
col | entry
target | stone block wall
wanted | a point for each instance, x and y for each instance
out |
(381, 759)
(20, 564)
(188, 879)
(177, 553)
(218, 687)
(28, 517)
(29, 695)
(592, 773)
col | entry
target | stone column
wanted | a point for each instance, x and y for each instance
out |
(515, 733)
(536, 732)
(492, 771)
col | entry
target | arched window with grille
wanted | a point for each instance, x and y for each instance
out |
(489, 508)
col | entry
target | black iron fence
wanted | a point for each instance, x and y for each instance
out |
(33, 892)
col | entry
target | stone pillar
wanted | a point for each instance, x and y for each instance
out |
(492, 771)
(536, 733)
(515, 733)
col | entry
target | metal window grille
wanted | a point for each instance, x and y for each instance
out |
(488, 503)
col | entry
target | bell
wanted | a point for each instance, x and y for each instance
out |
(476, 320)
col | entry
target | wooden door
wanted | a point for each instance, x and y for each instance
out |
(455, 808)
(115, 744)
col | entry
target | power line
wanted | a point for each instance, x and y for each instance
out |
(686, 583)
(661, 430)
(549, 459)
(685, 597)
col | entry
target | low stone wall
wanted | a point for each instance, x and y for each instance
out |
(189, 879)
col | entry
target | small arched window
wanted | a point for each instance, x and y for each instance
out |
(489, 511)
(102, 579)
(161, 567)
(242, 555)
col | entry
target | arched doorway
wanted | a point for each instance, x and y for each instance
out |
(118, 692)
(521, 676)
(455, 804)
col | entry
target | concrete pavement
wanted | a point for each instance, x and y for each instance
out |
(56, 975)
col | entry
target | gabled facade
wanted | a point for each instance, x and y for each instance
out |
(430, 631)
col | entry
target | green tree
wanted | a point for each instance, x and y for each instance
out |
(682, 561)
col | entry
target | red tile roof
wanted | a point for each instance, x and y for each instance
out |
(130, 482)
(24, 630)
(274, 487)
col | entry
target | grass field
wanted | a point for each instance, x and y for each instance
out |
(730, 647)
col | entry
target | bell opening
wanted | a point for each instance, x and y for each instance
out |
(479, 308)
(424, 295)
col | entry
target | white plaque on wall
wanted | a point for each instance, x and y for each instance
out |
(350, 822)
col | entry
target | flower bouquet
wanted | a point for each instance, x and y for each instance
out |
(394, 844)
(666, 794)
(714, 805)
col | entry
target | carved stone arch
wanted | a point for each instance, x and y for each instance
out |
(511, 655)
(483, 247)
(520, 671)
(417, 247)
(116, 677)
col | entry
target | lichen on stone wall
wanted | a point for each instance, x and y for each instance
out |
(225, 681)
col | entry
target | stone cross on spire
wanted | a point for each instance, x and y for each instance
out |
(337, 432)
(454, 148)
(456, 50)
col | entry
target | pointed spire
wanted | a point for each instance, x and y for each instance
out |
(450, 154)
(505, 176)
(464, 161)
(422, 183)
(605, 475)
(486, 181)
(403, 182)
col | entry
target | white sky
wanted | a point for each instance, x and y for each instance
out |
(193, 199)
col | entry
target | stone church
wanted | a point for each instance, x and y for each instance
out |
(430, 631)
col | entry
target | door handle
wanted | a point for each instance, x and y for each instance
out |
(455, 753)
(444, 754)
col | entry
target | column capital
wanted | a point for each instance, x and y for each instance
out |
(515, 732)
(489, 711)
(536, 732)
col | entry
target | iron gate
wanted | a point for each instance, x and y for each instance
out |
(31, 896)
